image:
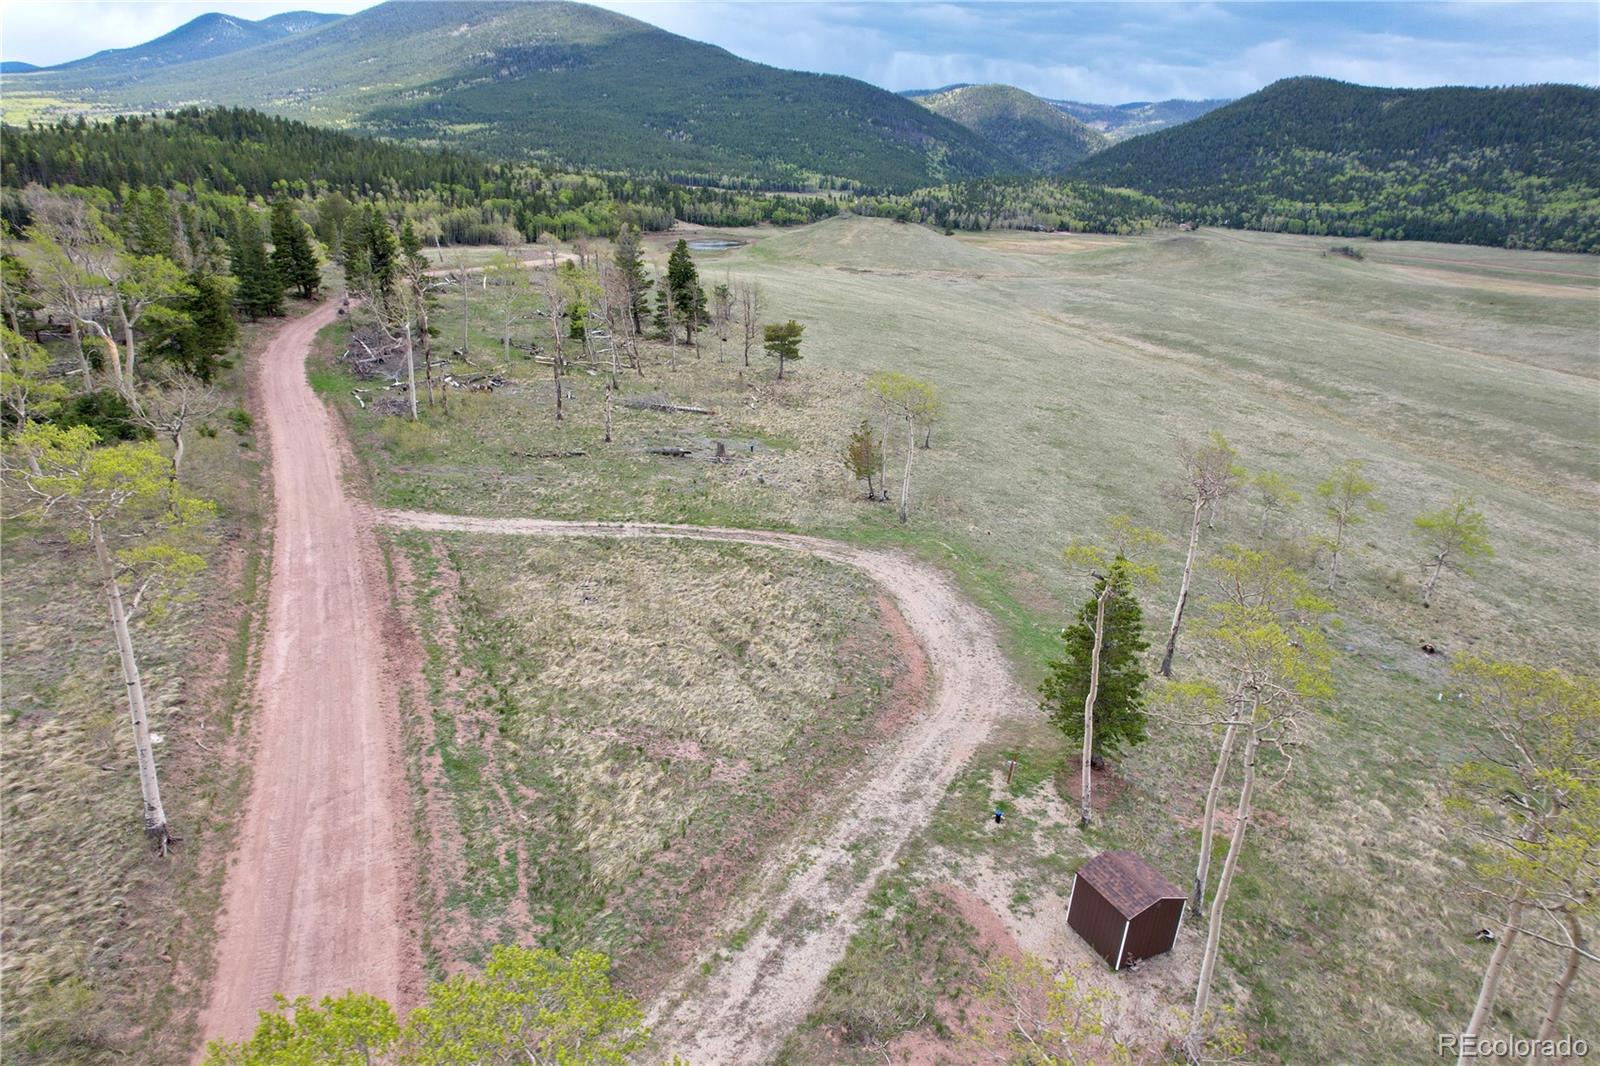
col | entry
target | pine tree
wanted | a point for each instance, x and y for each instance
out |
(210, 329)
(259, 291)
(292, 255)
(630, 264)
(1119, 717)
(147, 223)
(688, 299)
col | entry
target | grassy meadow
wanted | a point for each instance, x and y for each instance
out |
(1070, 367)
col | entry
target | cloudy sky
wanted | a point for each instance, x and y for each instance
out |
(1103, 52)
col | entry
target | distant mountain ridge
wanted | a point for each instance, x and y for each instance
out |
(580, 85)
(1042, 138)
(1120, 121)
(208, 36)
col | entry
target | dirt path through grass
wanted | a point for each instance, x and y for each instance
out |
(318, 895)
(750, 987)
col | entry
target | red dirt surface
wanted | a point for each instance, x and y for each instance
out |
(318, 899)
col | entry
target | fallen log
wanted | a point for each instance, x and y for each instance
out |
(676, 453)
(670, 408)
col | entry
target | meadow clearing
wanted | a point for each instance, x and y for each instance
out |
(1069, 367)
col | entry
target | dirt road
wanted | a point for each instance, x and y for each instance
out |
(813, 892)
(318, 896)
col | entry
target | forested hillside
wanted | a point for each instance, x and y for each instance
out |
(454, 197)
(1043, 139)
(567, 83)
(1518, 167)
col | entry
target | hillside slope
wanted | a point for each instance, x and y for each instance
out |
(1517, 167)
(573, 83)
(1043, 138)
(208, 36)
(1120, 121)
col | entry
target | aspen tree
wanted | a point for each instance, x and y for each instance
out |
(1454, 536)
(1210, 474)
(139, 525)
(1530, 800)
(1262, 631)
(1347, 498)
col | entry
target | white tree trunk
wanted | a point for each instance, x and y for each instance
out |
(1491, 976)
(1195, 1041)
(905, 482)
(155, 815)
(411, 373)
(1333, 558)
(1209, 822)
(1183, 590)
(1558, 995)
(1433, 579)
(1087, 813)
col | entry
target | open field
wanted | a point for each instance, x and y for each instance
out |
(617, 734)
(1069, 368)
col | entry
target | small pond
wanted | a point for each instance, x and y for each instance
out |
(713, 244)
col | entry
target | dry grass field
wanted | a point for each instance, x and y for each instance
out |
(1070, 368)
(618, 732)
(106, 945)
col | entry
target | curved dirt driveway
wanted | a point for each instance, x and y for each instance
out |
(812, 892)
(318, 896)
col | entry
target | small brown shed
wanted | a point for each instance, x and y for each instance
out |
(1124, 908)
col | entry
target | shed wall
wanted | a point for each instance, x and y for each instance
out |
(1152, 931)
(1098, 922)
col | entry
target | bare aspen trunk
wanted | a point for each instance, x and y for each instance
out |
(466, 314)
(556, 366)
(1208, 823)
(905, 482)
(83, 357)
(1087, 814)
(1183, 590)
(1195, 1040)
(1333, 558)
(124, 373)
(506, 339)
(1491, 976)
(411, 373)
(1558, 995)
(155, 815)
(1433, 579)
(178, 448)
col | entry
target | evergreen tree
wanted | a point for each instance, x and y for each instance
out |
(688, 299)
(259, 290)
(147, 223)
(383, 254)
(1119, 717)
(292, 255)
(782, 342)
(210, 329)
(630, 264)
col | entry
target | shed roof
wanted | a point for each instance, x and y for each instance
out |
(1127, 882)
